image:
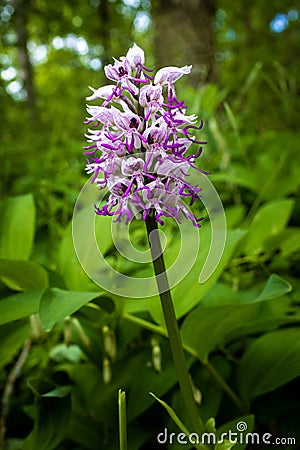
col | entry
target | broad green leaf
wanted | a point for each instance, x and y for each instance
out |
(189, 291)
(207, 328)
(50, 421)
(275, 287)
(290, 241)
(131, 372)
(269, 221)
(39, 386)
(19, 305)
(234, 215)
(56, 304)
(73, 274)
(12, 338)
(62, 352)
(93, 236)
(240, 176)
(269, 362)
(23, 275)
(17, 227)
(59, 392)
(222, 293)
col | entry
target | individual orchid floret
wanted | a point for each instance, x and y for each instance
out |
(135, 57)
(121, 73)
(151, 99)
(140, 142)
(103, 92)
(168, 75)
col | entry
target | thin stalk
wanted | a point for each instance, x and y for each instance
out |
(172, 326)
(122, 420)
(226, 388)
(9, 388)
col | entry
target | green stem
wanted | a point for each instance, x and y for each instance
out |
(172, 326)
(226, 388)
(122, 420)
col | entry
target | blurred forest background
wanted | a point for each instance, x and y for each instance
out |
(245, 85)
(52, 51)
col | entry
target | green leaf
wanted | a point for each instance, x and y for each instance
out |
(172, 414)
(209, 98)
(222, 293)
(269, 221)
(234, 215)
(17, 227)
(23, 275)
(51, 418)
(226, 445)
(232, 120)
(189, 291)
(206, 328)
(94, 235)
(185, 436)
(289, 241)
(62, 352)
(251, 78)
(240, 176)
(56, 304)
(269, 362)
(59, 392)
(20, 305)
(275, 287)
(12, 338)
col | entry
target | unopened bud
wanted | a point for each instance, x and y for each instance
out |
(67, 331)
(210, 425)
(37, 330)
(156, 356)
(109, 342)
(106, 374)
(197, 393)
(82, 334)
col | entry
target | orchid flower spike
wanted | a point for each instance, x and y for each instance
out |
(140, 143)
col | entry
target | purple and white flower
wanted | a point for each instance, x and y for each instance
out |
(139, 142)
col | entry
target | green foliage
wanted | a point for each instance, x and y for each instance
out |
(12, 336)
(21, 305)
(52, 410)
(269, 362)
(56, 304)
(205, 329)
(23, 275)
(233, 426)
(17, 227)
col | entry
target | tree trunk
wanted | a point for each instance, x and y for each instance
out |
(103, 11)
(21, 20)
(184, 35)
